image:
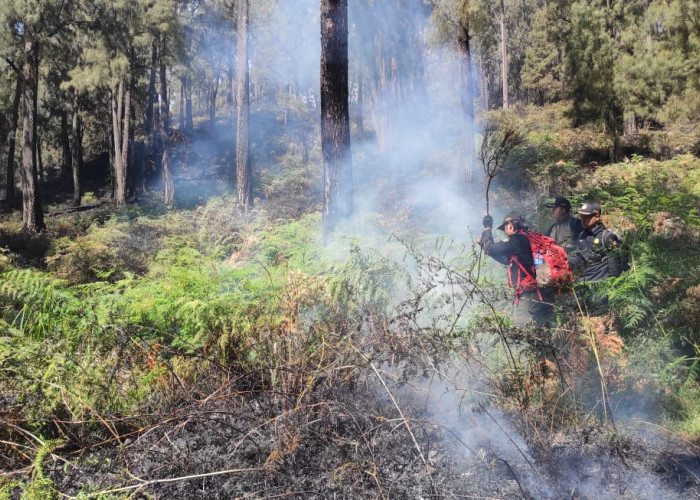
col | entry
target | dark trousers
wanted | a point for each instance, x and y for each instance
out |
(529, 308)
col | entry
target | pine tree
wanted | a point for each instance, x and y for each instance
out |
(243, 173)
(335, 119)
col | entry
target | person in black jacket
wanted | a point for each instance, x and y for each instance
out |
(597, 255)
(516, 253)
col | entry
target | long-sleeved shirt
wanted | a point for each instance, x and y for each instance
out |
(597, 255)
(518, 246)
(565, 232)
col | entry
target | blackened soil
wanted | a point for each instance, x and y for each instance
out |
(252, 446)
(354, 443)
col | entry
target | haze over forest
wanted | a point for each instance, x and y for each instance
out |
(238, 248)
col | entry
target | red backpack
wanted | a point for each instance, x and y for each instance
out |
(551, 266)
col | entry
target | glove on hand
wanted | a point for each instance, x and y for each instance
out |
(488, 221)
(590, 256)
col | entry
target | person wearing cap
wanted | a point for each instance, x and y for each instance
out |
(566, 227)
(597, 255)
(516, 253)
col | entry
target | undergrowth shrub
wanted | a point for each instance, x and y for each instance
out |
(106, 252)
(294, 190)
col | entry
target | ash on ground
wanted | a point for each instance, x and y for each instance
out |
(435, 439)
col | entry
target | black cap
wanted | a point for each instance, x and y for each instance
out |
(560, 202)
(589, 208)
(514, 217)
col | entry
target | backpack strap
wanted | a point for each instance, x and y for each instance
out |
(519, 287)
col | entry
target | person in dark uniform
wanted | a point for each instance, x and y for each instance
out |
(566, 227)
(597, 257)
(516, 253)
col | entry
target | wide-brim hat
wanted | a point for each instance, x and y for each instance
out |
(511, 217)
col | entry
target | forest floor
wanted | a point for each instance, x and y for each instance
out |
(354, 443)
(374, 437)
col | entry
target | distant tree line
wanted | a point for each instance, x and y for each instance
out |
(87, 78)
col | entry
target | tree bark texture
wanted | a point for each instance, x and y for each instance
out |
(212, 101)
(164, 102)
(243, 170)
(121, 103)
(168, 183)
(189, 124)
(32, 215)
(182, 103)
(65, 145)
(466, 87)
(75, 137)
(11, 144)
(504, 56)
(335, 121)
(151, 88)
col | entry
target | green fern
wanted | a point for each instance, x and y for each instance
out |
(38, 305)
(366, 280)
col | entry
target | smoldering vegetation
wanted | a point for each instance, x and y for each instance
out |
(395, 375)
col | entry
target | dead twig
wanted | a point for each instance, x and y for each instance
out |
(511, 440)
(144, 483)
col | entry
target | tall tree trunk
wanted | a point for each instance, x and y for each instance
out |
(65, 145)
(360, 110)
(121, 103)
(484, 87)
(39, 162)
(335, 116)
(504, 55)
(32, 216)
(168, 184)
(466, 87)
(189, 124)
(116, 134)
(212, 102)
(76, 137)
(181, 118)
(230, 92)
(164, 100)
(151, 87)
(126, 136)
(11, 144)
(243, 170)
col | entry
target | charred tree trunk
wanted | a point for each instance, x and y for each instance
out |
(40, 162)
(65, 144)
(466, 87)
(335, 120)
(243, 170)
(76, 137)
(32, 215)
(11, 144)
(504, 55)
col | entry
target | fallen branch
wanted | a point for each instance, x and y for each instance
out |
(69, 210)
(145, 483)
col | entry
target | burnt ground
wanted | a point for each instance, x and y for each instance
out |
(354, 443)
